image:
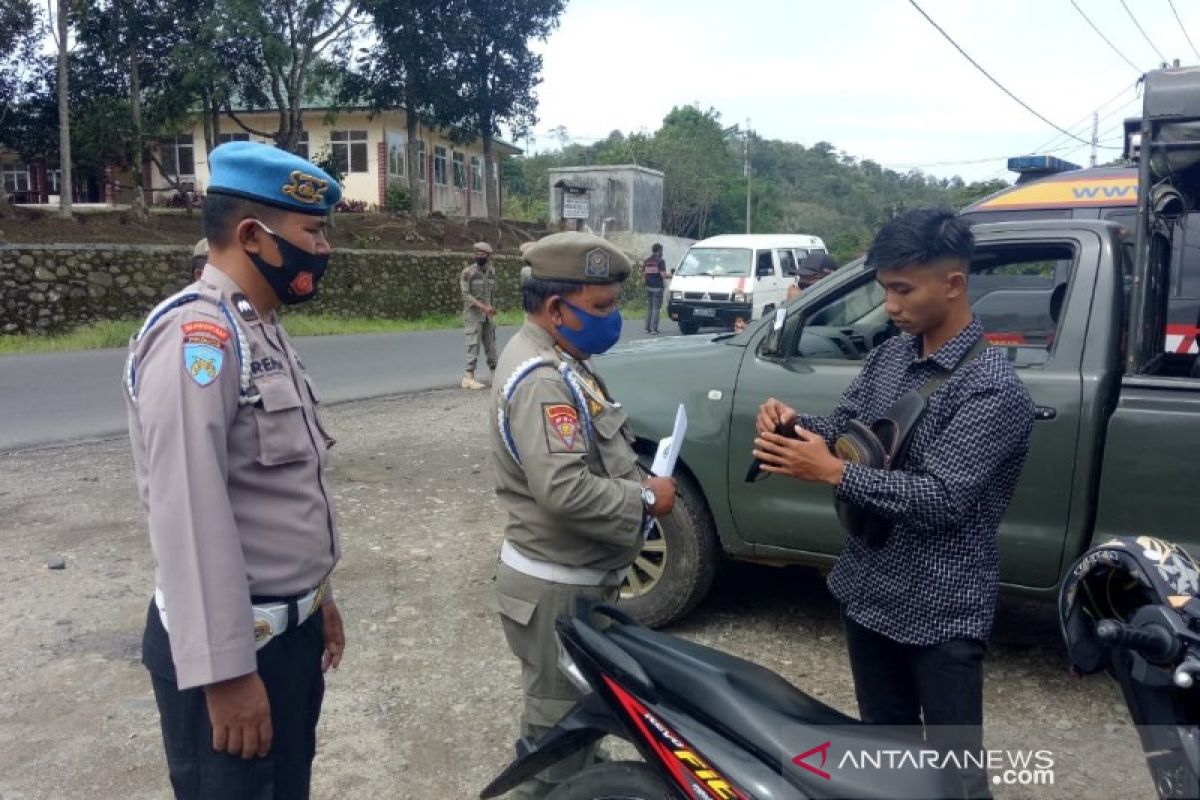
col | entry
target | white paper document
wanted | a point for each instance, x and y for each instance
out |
(668, 448)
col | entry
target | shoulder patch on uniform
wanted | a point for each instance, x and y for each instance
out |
(203, 350)
(562, 420)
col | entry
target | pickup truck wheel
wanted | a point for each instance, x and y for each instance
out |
(677, 564)
(688, 328)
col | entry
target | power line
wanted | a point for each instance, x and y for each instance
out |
(987, 75)
(1105, 38)
(1054, 141)
(1161, 57)
(1171, 3)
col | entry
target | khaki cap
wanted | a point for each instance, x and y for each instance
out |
(483, 247)
(201, 249)
(578, 258)
(524, 247)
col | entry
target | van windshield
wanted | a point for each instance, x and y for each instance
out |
(716, 261)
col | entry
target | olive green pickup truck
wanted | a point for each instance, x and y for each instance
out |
(1115, 441)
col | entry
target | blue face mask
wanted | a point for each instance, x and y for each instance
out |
(598, 335)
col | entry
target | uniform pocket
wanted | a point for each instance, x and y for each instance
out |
(282, 434)
(614, 448)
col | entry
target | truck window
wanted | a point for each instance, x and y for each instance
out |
(1017, 291)
(716, 261)
(787, 261)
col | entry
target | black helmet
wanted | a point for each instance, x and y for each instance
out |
(1113, 581)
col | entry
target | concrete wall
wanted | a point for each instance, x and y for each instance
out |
(46, 288)
(632, 196)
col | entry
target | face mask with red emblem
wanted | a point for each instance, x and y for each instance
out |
(295, 281)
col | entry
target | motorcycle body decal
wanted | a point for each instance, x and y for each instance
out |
(688, 767)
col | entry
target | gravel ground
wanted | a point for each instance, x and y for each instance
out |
(425, 702)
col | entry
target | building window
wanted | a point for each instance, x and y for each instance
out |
(421, 155)
(302, 145)
(439, 166)
(349, 150)
(396, 160)
(460, 171)
(178, 161)
(16, 178)
(476, 174)
(225, 138)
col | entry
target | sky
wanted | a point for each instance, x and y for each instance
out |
(872, 77)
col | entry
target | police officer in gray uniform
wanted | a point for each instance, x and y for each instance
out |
(230, 456)
(478, 285)
(566, 473)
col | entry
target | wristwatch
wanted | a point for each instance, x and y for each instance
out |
(649, 499)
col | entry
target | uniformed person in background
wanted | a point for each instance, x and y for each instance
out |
(230, 458)
(478, 284)
(199, 258)
(566, 473)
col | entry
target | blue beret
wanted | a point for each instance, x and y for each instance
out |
(275, 177)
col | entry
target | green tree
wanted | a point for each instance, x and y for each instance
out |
(293, 42)
(408, 68)
(691, 150)
(20, 28)
(496, 72)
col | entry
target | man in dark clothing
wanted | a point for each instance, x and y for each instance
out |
(654, 269)
(816, 265)
(918, 610)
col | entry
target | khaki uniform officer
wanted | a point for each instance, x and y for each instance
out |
(478, 284)
(566, 473)
(230, 456)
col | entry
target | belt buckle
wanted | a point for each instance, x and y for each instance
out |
(264, 628)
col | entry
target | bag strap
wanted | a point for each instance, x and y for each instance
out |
(942, 375)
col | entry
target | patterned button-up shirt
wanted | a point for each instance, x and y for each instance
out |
(937, 577)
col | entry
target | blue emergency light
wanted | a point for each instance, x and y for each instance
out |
(1030, 168)
(1044, 164)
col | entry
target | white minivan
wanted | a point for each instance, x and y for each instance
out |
(736, 275)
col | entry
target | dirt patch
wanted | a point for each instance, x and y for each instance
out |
(359, 231)
(425, 704)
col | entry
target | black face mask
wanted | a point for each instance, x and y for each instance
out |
(295, 281)
(481, 260)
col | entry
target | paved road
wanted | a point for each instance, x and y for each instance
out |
(60, 397)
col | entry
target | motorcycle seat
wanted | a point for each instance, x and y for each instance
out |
(767, 714)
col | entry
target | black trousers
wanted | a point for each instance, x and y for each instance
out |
(290, 668)
(939, 686)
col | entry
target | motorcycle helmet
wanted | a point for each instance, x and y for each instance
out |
(1113, 581)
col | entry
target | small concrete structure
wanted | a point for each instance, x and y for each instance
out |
(607, 199)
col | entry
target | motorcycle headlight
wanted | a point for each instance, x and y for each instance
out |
(568, 667)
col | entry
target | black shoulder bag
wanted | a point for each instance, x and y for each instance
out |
(884, 445)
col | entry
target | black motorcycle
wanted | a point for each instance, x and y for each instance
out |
(708, 725)
(1130, 607)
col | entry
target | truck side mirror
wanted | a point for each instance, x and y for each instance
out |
(773, 344)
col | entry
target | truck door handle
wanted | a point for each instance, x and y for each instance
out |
(1041, 413)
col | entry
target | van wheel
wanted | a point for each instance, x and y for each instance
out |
(688, 328)
(677, 563)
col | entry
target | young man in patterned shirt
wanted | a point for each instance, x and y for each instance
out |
(919, 609)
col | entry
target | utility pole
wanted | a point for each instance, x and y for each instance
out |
(1095, 135)
(747, 173)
